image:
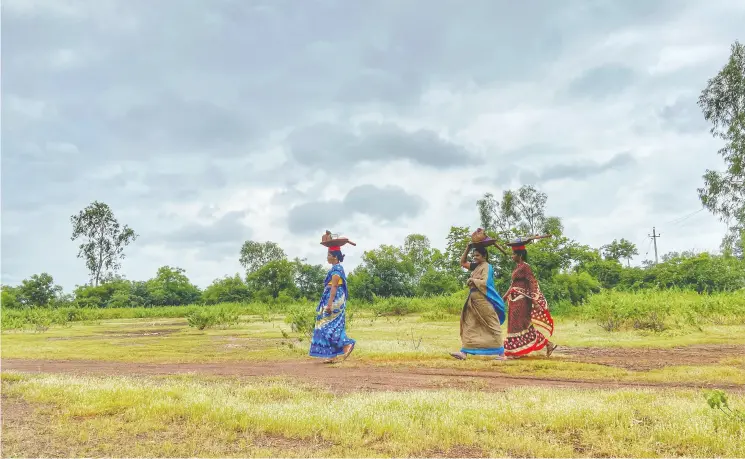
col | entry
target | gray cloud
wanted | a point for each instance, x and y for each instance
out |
(184, 186)
(314, 216)
(580, 171)
(315, 144)
(215, 241)
(601, 82)
(134, 102)
(184, 125)
(386, 204)
(584, 170)
(683, 116)
(668, 202)
(227, 229)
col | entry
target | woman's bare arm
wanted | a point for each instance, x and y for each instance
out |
(464, 259)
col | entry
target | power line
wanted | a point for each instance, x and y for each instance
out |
(649, 246)
(684, 217)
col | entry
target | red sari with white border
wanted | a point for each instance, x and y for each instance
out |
(529, 323)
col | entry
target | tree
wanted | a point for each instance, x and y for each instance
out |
(553, 226)
(273, 278)
(226, 290)
(618, 250)
(418, 250)
(521, 212)
(723, 105)
(437, 283)
(171, 287)
(734, 242)
(457, 241)
(10, 298)
(309, 279)
(104, 240)
(39, 290)
(115, 293)
(496, 215)
(387, 271)
(254, 255)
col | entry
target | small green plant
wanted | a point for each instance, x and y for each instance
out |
(653, 322)
(610, 323)
(301, 320)
(717, 400)
(436, 316)
(40, 319)
(410, 340)
(199, 318)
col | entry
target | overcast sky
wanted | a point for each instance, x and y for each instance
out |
(204, 123)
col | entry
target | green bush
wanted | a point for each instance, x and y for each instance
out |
(302, 320)
(576, 288)
(227, 290)
(657, 310)
(208, 317)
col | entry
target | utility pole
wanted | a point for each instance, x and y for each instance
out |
(654, 237)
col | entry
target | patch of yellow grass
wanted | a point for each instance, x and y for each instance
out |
(213, 416)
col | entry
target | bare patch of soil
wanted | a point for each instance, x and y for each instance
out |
(232, 342)
(642, 359)
(148, 332)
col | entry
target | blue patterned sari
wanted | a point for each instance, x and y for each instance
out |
(329, 334)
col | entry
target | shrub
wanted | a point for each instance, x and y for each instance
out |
(207, 317)
(301, 320)
(576, 288)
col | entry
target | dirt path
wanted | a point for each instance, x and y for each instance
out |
(339, 378)
(640, 359)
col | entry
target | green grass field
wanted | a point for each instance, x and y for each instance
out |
(203, 414)
(119, 416)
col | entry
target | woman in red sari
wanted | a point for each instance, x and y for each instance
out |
(529, 323)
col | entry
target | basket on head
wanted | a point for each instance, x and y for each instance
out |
(479, 236)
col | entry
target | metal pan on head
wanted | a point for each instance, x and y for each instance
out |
(484, 243)
(340, 242)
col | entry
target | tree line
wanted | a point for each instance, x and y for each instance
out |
(568, 271)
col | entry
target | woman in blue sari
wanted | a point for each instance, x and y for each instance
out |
(484, 312)
(330, 338)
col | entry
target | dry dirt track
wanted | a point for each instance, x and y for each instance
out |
(355, 377)
(653, 358)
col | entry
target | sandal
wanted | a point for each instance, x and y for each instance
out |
(346, 355)
(458, 355)
(550, 349)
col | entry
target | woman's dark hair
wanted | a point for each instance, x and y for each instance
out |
(523, 254)
(482, 250)
(337, 253)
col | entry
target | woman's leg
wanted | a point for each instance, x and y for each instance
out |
(550, 347)
(348, 350)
